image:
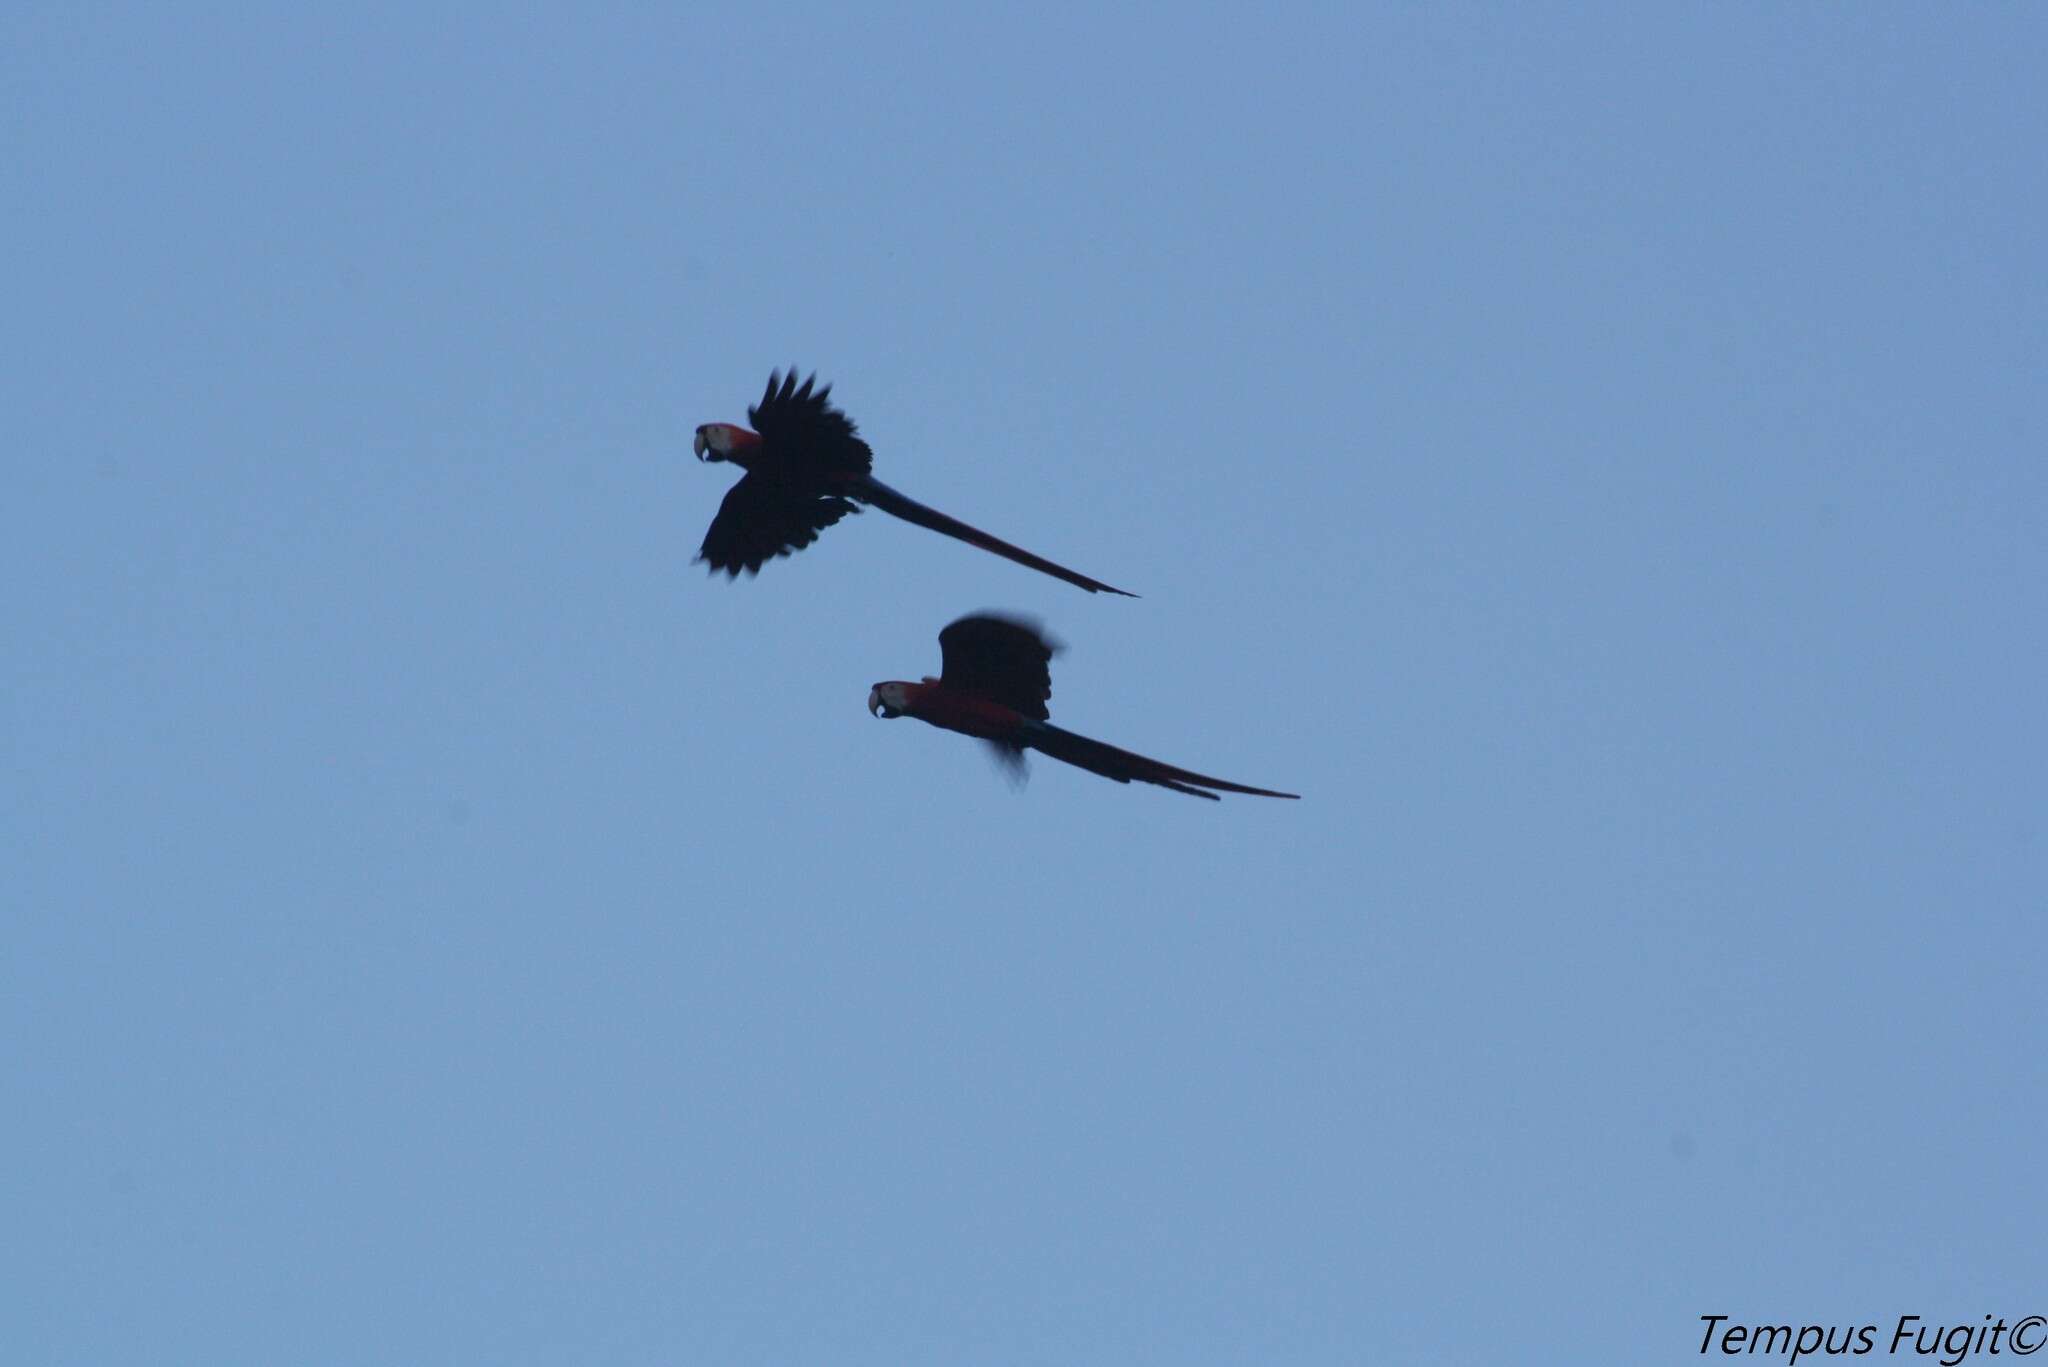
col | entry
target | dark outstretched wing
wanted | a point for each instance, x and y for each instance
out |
(1003, 659)
(804, 432)
(1123, 766)
(872, 491)
(761, 519)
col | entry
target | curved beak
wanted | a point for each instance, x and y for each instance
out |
(878, 708)
(703, 447)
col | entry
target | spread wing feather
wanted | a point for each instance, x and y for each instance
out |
(761, 519)
(803, 432)
(1004, 659)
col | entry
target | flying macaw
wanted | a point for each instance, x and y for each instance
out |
(806, 469)
(994, 684)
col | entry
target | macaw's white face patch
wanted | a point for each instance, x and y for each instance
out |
(715, 440)
(889, 700)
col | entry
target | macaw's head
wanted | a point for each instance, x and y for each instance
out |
(724, 441)
(889, 700)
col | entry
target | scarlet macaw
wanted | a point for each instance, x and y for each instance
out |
(806, 469)
(994, 684)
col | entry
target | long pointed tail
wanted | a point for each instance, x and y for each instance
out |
(868, 489)
(1123, 766)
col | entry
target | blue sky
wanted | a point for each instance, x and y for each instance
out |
(1593, 454)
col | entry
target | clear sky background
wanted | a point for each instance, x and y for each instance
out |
(1594, 453)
